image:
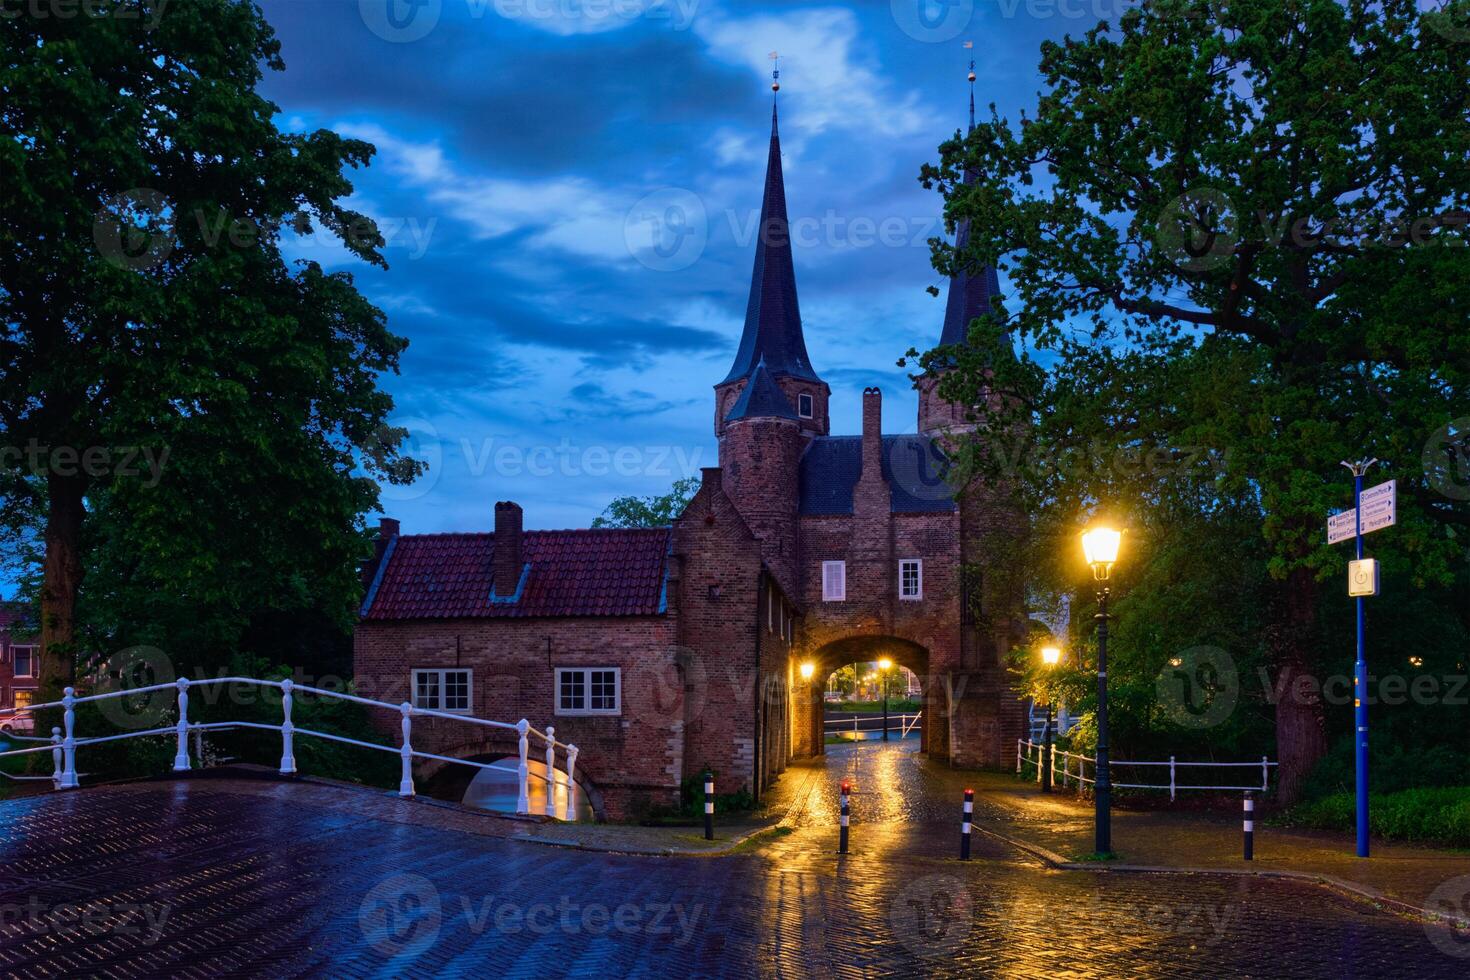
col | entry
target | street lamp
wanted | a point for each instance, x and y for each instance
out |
(1051, 656)
(1100, 545)
(884, 666)
(807, 670)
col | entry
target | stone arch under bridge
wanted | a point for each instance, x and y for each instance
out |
(449, 781)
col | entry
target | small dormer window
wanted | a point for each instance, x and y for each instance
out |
(804, 406)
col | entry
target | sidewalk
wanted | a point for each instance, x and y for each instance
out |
(1059, 828)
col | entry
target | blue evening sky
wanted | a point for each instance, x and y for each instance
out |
(570, 188)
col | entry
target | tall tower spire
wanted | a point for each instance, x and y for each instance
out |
(969, 292)
(772, 314)
(773, 333)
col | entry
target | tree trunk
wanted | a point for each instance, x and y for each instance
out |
(1301, 739)
(61, 576)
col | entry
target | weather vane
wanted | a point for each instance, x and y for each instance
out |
(970, 47)
(775, 72)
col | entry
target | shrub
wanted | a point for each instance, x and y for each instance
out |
(1434, 815)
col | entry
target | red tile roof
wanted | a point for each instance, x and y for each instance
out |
(601, 572)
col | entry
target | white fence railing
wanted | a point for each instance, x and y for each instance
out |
(1074, 765)
(839, 726)
(64, 742)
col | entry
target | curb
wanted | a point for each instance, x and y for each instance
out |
(1349, 889)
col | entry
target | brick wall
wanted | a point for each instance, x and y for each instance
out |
(632, 761)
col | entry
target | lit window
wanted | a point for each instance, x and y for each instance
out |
(442, 690)
(589, 690)
(804, 406)
(25, 661)
(834, 581)
(911, 578)
(24, 699)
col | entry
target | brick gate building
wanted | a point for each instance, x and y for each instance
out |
(660, 652)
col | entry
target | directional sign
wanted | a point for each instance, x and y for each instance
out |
(1380, 510)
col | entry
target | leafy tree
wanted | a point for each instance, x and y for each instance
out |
(187, 415)
(655, 511)
(1237, 227)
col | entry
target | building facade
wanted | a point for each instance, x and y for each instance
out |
(20, 667)
(664, 652)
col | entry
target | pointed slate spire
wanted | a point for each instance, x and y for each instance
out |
(761, 398)
(969, 292)
(772, 316)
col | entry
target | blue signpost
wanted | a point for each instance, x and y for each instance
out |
(1362, 582)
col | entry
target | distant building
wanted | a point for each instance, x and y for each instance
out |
(20, 666)
(662, 652)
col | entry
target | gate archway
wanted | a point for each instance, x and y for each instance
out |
(808, 719)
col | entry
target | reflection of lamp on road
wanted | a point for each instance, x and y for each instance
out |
(885, 665)
(1051, 656)
(1100, 545)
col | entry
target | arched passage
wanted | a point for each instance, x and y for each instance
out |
(808, 734)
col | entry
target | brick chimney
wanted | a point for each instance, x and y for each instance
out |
(387, 531)
(508, 564)
(872, 434)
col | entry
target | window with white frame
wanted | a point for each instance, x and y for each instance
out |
(589, 690)
(834, 581)
(442, 690)
(804, 406)
(911, 578)
(25, 661)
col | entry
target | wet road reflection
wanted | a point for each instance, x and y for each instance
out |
(204, 877)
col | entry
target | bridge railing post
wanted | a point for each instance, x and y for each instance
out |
(69, 741)
(288, 730)
(523, 797)
(571, 809)
(181, 757)
(56, 758)
(550, 808)
(405, 782)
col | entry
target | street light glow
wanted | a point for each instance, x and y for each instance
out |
(807, 669)
(1100, 545)
(1051, 656)
(885, 664)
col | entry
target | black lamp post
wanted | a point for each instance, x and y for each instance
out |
(884, 666)
(1100, 546)
(1051, 656)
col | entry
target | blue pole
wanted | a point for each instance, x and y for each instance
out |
(1360, 683)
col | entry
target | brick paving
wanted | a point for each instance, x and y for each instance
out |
(213, 877)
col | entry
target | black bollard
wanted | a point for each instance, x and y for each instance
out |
(842, 834)
(1249, 826)
(965, 818)
(709, 806)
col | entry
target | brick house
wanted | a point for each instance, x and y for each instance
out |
(660, 652)
(19, 666)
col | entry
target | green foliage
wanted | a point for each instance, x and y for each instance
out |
(655, 511)
(1438, 815)
(151, 314)
(1217, 298)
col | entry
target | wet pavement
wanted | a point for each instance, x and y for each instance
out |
(208, 877)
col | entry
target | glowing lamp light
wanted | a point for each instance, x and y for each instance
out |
(1100, 545)
(1051, 656)
(807, 670)
(885, 664)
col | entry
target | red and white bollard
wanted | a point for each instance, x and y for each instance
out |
(842, 819)
(709, 806)
(965, 822)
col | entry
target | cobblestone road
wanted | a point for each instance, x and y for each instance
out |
(210, 877)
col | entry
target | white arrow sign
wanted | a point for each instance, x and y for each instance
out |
(1380, 510)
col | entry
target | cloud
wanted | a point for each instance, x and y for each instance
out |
(831, 80)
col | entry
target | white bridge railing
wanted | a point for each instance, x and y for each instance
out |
(64, 742)
(1031, 754)
(906, 724)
